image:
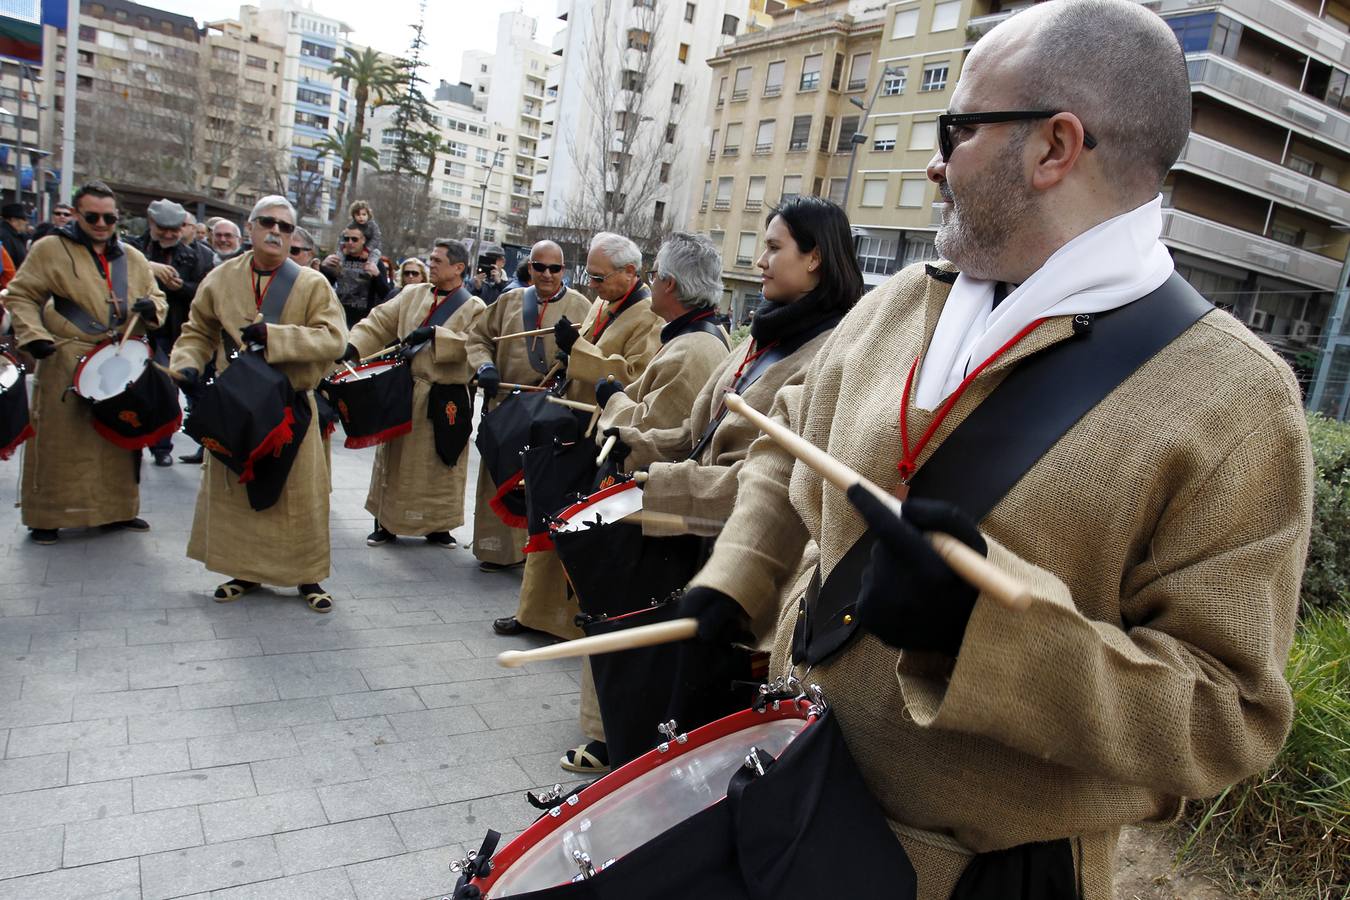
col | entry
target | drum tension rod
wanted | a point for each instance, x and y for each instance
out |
(583, 862)
(668, 731)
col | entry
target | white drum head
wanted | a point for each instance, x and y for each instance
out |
(603, 507)
(110, 369)
(369, 370)
(9, 374)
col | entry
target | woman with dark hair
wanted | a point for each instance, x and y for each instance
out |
(810, 269)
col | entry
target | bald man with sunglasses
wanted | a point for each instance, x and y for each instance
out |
(519, 361)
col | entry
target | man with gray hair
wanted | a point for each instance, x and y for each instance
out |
(1057, 399)
(226, 240)
(262, 297)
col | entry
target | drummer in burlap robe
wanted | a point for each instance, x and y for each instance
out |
(287, 543)
(517, 361)
(1161, 535)
(61, 304)
(417, 483)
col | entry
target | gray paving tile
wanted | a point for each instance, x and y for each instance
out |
(422, 874)
(56, 641)
(188, 723)
(119, 837)
(10, 689)
(518, 687)
(38, 624)
(337, 845)
(320, 766)
(320, 684)
(466, 782)
(119, 880)
(38, 711)
(374, 703)
(227, 693)
(126, 703)
(543, 770)
(31, 851)
(36, 663)
(127, 762)
(190, 788)
(208, 868)
(437, 754)
(378, 657)
(503, 713)
(325, 884)
(32, 773)
(206, 670)
(406, 675)
(320, 737)
(464, 823)
(223, 750)
(217, 649)
(434, 722)
(234, 820)
(168, 634)
(377, 796)
(283, 713)
(91, 733)
(67, 685)
(59, 805)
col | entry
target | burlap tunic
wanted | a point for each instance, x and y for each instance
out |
(701, 492)
(286, 544)
(493, 540)
(412, 492)
(665, 393)
(624, 350)
(72, 477)
(1163, 539)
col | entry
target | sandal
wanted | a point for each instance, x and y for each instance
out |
(317, 598)
(588, 759)
(233, 589)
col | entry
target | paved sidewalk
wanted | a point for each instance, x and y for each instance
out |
(158, 744)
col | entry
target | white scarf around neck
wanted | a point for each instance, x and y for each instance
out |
(1105, 267)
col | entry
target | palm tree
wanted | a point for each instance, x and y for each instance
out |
(370, 78)
(350, 151)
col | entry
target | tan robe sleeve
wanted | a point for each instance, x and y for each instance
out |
(450, 345)
(379, 327)
(479, 346)
(587, 363)
(322, 338)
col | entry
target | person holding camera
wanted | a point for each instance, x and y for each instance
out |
(489, 281)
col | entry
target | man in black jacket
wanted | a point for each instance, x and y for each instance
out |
(360, 279)
(14, 231)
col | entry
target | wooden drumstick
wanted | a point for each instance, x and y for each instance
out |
(534, 333)
(131, 323)
(604, 450)
(374, 356)
(521, 387)
(176, 376)
(975, 569)
(628, 639)
(574, 404)
(551, 372)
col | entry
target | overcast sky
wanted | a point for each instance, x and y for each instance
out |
(451, 27)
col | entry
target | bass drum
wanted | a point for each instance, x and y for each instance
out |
(15, 426)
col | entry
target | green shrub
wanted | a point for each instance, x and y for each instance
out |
(1326, 581)
(739, 334)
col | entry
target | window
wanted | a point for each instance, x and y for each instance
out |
(1286, 235)
(857, 72)
(838, 72)
(665, 173)
(792, 186)
(815, 187)
(308, 95)
(745, 248)
(883, 138)
(923, 136)
(482, 157)
(724, 185)
(729, 24)
(449, 208)
(719, 239)
(827, 134)
(740, 89)
(764, 137)
(620, 120)
(658, 212)
(876, 256)
(88, 33)
(639, 39)
(455, 169)
(847, 126)
(684, 53)
(459, 150)
(810, 73)
(946, 15)
(632, 81)
(311, 120)
(732, 144)
(1193, 32)
(906, 24)
(837, 190)
(913, 191)
(754, 195)
(225, 55)
(712, 145)
(801, 133)
(707, 192)
(894, 84)
(255, 62)
(689, 12)
(649, 4)
(677, 93)
(773, 79)
(1301, 165)
(308, 48)
(934, 77)
(873, 192)
(670, 132)
(722, 91)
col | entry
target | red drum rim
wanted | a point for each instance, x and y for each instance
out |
(344, 375)
(84, 360)
(626, 774)
(590, 500)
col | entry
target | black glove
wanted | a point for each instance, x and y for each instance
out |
(189, 381)
(39, 349)
(351, 353)
(565, 334)
(254, 334)
(606, 389)
(490, 380)
(144, 307)
(720, 619)
(910, 598)
(420, 335)
(620, 451)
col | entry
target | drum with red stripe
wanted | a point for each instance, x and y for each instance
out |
(15, 426)
(133, 404)
(373, 401)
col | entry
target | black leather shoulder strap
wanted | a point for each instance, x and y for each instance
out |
(449, 307)
(118, 267)
(279, 291)
(74, 313)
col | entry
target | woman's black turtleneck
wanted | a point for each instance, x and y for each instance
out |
(781, 321)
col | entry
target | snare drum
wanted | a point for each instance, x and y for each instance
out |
(604, 507)
(15, 426)
(374, 403)
(133, 404)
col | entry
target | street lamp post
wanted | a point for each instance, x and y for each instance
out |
(858, 137)
(1334, 341)
(482, 205)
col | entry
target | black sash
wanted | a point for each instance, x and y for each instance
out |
(774, 354)
(529, 317)
(279, 291)
(76, 315)
(705, 324)
(449, 306)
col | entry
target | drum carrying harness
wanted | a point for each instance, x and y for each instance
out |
(81, 319)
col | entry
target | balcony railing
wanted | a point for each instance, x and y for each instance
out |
(979, 26)
(1300, 28)
(1287, 106)
(763, 149)
(721, 204)
(1204, 237)
(740, 95)
(743, 261)
(1209, 157)
(753, 205)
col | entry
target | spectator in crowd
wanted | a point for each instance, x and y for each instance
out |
(14, 231)
(522, 279)
(364, 216)
(360, 277)
(412, 271)
(225, 240)
(490, 279)
(61, 214)
(203, 233)
(302, 249)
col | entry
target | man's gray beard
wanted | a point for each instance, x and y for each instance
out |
(976, 239)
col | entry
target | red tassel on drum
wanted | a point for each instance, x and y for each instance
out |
(139, 442)
(277, 438)
(498, 506)
(379, 437)
(8, 450)
(538, 542)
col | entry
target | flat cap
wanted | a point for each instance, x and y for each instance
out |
(166, 214)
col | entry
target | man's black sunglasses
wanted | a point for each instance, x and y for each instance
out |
(296, 251)
(541, 268)
(92, 218)
(348, 239)
(948, 121)
(268, 221)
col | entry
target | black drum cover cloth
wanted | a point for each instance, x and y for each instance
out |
(450, 409)
(142, 415)
(503, 434)
(373, 410)
(558, 465)
(252, 421)
(15, 425)
(806, 829)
